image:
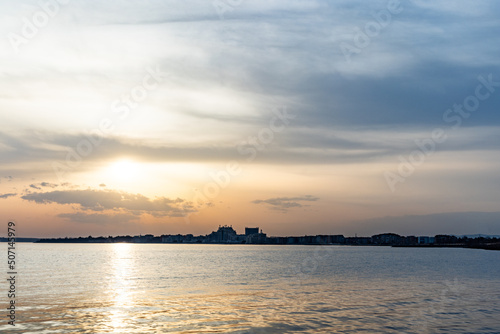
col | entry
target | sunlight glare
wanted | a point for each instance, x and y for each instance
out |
(124, 170)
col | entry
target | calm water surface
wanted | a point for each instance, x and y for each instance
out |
(132, 288)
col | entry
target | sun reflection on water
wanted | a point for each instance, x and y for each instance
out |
(120, 289)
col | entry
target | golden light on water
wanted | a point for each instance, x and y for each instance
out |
(120, 288)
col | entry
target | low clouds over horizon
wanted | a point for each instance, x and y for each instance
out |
(113, 200)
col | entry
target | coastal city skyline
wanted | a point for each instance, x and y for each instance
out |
(255, 236)
(299, 117)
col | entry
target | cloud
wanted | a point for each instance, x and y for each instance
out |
(48, 185)
(296, 145)
(99, 219)
(7, 195)
(8, 178)
(39, 186)
(285, 203)
(411, 69)
(101, 200)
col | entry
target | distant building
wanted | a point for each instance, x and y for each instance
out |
(126, 238)
(425, 240)
(225, 234)
(411, 240)
(444, 239)
(330, 239)
(277, 240)
(387, 239)
(256, 238)
(143, 238)
(251, 230)
(177, 238)
(358, 241)
(253, 236)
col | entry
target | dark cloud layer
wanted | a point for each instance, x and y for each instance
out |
(285, 203)
(102, 200)
(296, 146)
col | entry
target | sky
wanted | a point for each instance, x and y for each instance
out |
(299, 117)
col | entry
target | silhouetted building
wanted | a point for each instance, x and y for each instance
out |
(143, 238)
(411, 240)
(251, 230)
(387, 239)
(446, 239)
(358, 241)
(277, 240)
(425, 240)
(330, 239)
(225, 234)
(177, 238)
(256, 238)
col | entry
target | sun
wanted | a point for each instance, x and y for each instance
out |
(126, 174)
(123, 170)
(147, 178)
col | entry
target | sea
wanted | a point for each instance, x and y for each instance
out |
(203, 288)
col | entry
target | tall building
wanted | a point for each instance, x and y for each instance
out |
(251, 230)
(223, 234)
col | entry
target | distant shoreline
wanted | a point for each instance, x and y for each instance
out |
(495, 246)
(488, 246)
(217, 238)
